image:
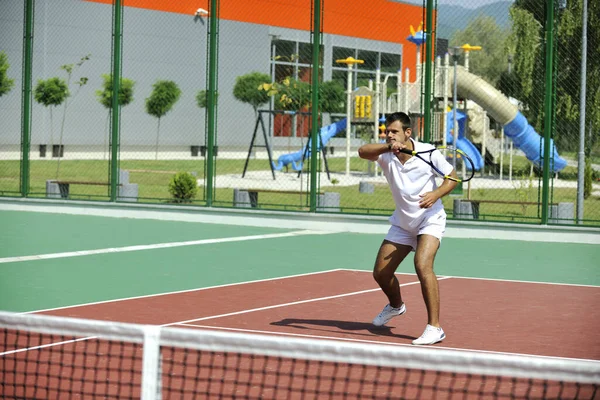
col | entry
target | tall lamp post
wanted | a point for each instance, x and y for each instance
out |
(350, 61)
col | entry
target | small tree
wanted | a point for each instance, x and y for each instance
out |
(105, 98)
(183, 187)
(202, 98)
(485, 32)
(332, 97)
(246, 89)
(6, 84)
(162, 99)
(290, 94)
(69, 68)
(51, 93)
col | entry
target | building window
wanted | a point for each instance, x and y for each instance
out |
(370, 58)
(285, 50)
(341, 53)
(390, 63)
(291, 59)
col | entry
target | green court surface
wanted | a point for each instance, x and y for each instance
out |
(40, 233)
(90, 258)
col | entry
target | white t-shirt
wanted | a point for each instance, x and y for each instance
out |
(409, 180)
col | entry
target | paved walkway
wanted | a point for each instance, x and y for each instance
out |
(291, 181)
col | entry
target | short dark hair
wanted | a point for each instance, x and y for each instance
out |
(398, 116)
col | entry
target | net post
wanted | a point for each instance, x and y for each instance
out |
(150, 363)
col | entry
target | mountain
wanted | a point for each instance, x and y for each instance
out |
(453, 18)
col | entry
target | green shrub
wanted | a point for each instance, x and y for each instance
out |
(183, 187)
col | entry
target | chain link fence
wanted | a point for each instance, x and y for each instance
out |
(530, 85)
(216, 103)
(68, 122)
(162, 130)
(11, 52)
(264, 107)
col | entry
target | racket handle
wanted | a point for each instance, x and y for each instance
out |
(406, 151)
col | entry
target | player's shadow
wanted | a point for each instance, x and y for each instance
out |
(355, 327)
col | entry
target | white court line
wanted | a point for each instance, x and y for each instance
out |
(289, 304)
(218, 328)
(158, 246)
(363, 224)
(146, 296)
(43, 346)
(212, 317)
(489, 279)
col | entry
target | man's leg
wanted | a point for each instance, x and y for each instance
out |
(389, 257)
(427, 247)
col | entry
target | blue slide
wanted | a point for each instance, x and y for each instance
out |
(326, 133)
(515, 125)
(462, 142)
(526, 138)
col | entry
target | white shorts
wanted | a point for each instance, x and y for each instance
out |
(435, 227)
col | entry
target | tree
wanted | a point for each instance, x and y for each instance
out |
(105, 98)
(51, 93)
(6, 84)
(524, 44)
(246, 89)
(510, 84)
(162, 99)
(528, 17)
(490, 61)
(202, 98)
(290, 94)
(332, 97)
(69, 68)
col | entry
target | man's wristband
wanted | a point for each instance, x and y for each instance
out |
(389, 147)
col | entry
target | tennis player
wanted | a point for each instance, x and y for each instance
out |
(418, 223)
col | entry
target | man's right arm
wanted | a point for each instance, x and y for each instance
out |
(372, 151)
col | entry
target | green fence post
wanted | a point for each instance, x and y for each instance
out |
(315, 137)
(26, 105)
(548, 107)
(211, 109)
(116, 83)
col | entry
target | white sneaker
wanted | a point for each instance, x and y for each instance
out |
(431, 335)
(387, 314)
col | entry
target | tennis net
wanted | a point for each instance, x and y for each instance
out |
(46, 357)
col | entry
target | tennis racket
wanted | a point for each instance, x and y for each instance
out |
(450, 153)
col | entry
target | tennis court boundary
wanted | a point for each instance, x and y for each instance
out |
(486, 279)
(436, 347)
(181, 291)
(365, 224)
(155, 246)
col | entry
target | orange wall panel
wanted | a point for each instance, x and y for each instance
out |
(383, 20)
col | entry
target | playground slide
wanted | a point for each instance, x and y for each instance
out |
(326, 133)
(502, 110)
(462, 142)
